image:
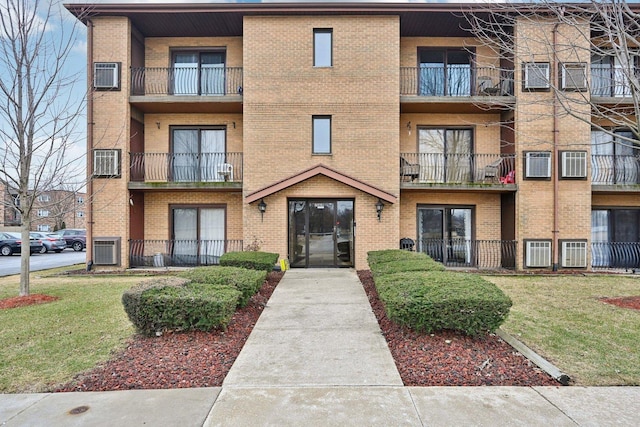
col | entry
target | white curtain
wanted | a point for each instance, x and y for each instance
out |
(211, 235)
(600, 238)
(185, 74)
(185, 155)
(212, 147)
(185, 247)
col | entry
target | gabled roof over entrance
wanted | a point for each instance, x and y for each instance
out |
(325, 171)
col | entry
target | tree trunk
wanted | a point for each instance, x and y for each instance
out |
(25, 253)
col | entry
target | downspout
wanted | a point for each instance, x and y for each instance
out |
(555, 167)
(90, 124)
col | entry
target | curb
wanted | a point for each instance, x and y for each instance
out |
(534, 357)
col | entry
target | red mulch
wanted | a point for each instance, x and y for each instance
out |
(624, 302)
(452, 359)
(177, 360)
(26, 300)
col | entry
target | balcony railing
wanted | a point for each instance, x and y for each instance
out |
(179, 253)
(615, 170)
(482, 254)
(186, 167)
(186, 81)
(455, 81)
(616, 255)
(457, 168)
(609, 82)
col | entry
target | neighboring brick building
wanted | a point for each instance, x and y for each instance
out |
(323, 131)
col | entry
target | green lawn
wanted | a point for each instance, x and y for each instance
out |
(561, 318)
(44, 345)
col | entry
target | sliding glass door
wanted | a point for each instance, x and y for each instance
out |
(445, 155)
(444, 72)
(197, 154)
(445, 233)
(198, 235)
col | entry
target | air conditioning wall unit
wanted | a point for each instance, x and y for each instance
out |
(106, 250)
(573, 164)
(573, 76)
(536, 75)
(106, 75)
(573, 254)
(537, 164)
(537, 253)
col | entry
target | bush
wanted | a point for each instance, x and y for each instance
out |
(252, 260)
(248, 282)
(176, 304)
(433, 301)
(391, 255)
(418, 264)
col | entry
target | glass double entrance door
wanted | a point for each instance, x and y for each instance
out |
(321, 233)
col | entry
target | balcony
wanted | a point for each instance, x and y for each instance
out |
(615, 255)
(610, 85)
(615, 173)
(457, 171)
(455, 88)
(179, 253)
(187, 89)
(481, 254)
(183, 171)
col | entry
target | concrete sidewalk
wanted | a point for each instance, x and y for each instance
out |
(317, 357)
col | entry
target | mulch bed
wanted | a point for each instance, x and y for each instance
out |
(624, 302)
(177, 360)
(26, 300)
(452, 359)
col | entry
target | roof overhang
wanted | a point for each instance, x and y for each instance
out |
(324, 171)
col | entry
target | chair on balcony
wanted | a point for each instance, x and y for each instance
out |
(491, 171)
(487, 87)
(411, 170)
(225, 171)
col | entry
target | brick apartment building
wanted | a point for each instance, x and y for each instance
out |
(322, 131)
(52, 210)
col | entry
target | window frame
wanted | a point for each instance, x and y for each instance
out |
(317, 46)
(44, 198)
(42, 213)
(525, 159)
(525, 258)
(117, 76)
(561, 244)
(525, 75)
(569, 85)
(561, 165)
(313, 135)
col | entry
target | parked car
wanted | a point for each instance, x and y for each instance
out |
(50, 242)
(76, 238)
(11, 243)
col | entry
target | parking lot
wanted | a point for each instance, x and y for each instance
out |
(11, 264)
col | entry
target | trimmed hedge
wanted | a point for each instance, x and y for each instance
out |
(176, 304)
(390, 255)
(248, 282)
(433, 301)
(417, 264)
(264, 261)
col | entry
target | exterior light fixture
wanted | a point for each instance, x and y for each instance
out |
(262, 207)
(409, 127)
(379, 207)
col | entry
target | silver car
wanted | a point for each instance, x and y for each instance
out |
(50, 242)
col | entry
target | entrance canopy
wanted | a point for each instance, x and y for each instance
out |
(328, 172)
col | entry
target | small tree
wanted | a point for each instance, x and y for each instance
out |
(37, 105)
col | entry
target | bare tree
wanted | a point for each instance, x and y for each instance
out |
(595, 52)
(38, 107)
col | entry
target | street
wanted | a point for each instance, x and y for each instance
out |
(11, 264)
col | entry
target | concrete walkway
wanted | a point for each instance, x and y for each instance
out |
(317, 357)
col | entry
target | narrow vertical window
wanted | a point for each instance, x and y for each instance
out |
(322, 46)
(321, 134)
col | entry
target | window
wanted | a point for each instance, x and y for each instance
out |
(80, 214)
(573, 253)
(573, 76)
(445, 232)
(322, 47)
(106, 163)
(536, 75)
(537, 253)
(43, 227)
(537, 164)
(43, 213)
(615, 238)
(198, 73)
(106, 75)
(321, 134)
(445, 154)
(198, 235)
(198, 154)
(614, 158)
(444, 72)
(573, 164)
(44, 198)
(80, 200)
(610, 75)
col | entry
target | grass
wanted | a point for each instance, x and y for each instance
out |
(560, 317)
(44, 345)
